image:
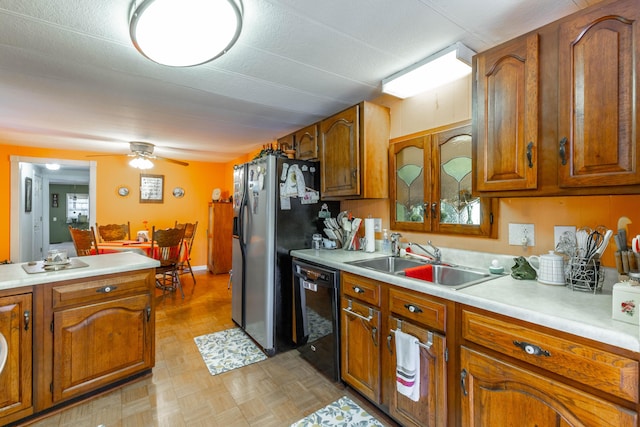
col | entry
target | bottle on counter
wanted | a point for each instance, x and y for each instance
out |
(386, 243)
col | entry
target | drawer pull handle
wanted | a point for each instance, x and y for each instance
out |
(106, 289)
(530, 154)
(531, 349)
(413, 308)
(27, 319)
(148, 310)
(358, 290)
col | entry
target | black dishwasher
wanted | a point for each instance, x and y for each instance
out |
(315, 318)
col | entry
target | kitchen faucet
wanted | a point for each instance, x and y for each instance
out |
(395, 244)
(434, 253)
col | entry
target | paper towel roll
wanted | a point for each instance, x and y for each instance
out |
(370, 235)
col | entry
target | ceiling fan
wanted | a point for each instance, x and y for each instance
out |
(143, 152)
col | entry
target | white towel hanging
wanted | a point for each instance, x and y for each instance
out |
(407, 365)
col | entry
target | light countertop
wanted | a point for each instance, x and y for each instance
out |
(14, 276)
(558, 307)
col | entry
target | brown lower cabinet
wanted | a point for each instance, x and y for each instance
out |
(480, 368)
(372, 311)
(16, 327)
(70, 339)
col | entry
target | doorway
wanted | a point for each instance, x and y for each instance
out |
(30, 227)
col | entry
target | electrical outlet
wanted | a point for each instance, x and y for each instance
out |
(522, 235)
(377, 224)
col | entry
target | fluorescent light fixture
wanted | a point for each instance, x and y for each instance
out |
(52, 166)
(141, 163)
(438, 69)
(183, 33)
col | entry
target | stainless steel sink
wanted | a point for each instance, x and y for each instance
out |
(388, 264)
(455, 277)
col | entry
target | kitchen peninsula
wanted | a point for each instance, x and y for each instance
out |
(75, 332)
(535, 349)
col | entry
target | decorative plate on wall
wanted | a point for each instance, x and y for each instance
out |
(123, 191)
(178, 192)
(215, 195)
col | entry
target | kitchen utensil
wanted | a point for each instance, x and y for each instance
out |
(550, 268)
(605, 242)
(622, 236)
(593, 243)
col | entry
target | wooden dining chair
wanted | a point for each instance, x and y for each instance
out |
(166, 247)
(189, 236)
(111, 232)
(84, 241)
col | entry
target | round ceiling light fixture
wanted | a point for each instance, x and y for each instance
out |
(183, 33)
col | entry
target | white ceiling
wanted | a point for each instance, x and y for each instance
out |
(71, 78)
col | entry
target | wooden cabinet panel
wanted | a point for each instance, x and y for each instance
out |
(219, 237)
(361, 288)
(100, 343)
(340, 151)
(360, 339)
(594, 367)
(598, 79)
(352, 148)
(307, 143)
(419, 309)
(506, 116)
(16, 325)
(97, 288)
(431, 408)
(496, 393)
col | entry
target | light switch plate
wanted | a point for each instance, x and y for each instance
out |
(377, 224)
(518, 233)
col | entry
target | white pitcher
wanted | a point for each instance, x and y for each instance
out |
(550, 268)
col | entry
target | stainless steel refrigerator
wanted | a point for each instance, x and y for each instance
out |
(276, 207)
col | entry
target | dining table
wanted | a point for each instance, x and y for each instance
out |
(142, 248)
(135, 246)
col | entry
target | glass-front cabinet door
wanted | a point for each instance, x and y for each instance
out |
(431, 183)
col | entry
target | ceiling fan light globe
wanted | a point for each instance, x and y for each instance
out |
(141, 163)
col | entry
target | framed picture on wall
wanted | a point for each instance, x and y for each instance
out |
(27, 194)
(151, 188)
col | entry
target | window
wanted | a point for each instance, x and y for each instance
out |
(77, 207)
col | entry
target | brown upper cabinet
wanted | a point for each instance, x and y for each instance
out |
(507, 116)
(555, 111)
(307, 143)
(353, 153)
(598, 114)
(430, 184)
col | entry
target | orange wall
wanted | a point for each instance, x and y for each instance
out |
(198, 180)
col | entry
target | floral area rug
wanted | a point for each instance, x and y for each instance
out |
(344, 412)
(226, 350)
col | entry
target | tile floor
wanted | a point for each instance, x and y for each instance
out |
(276, 392)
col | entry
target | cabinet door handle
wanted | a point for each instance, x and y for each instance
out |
(148, 309)
(374, 336)
(358, 290)
(433, 210)
(463, 382)
(531, 349)
(27, 319)
(530, 154)
(425, 207)
(106, 289)
(563, 150)
(413, 308)
(389, 344)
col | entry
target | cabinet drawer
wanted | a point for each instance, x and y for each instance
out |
(103, 288)
(361, 288)
(588, 365)
(417, 308)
